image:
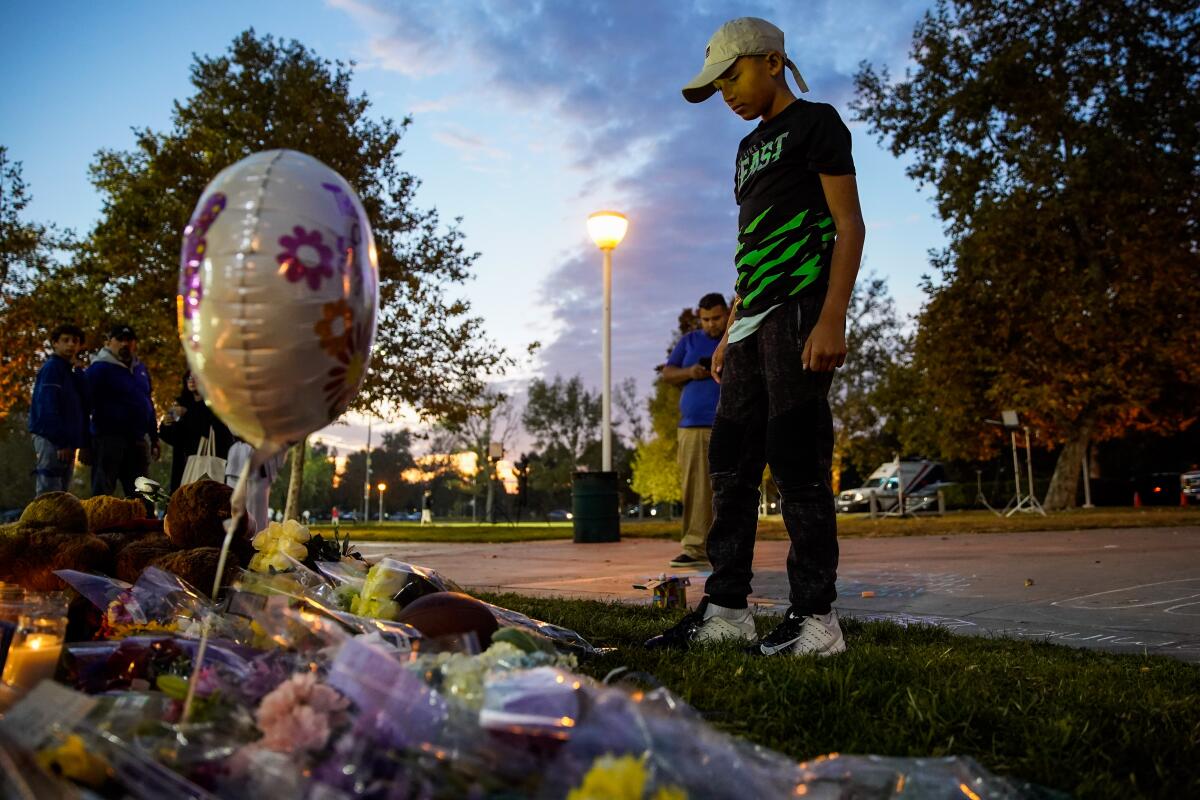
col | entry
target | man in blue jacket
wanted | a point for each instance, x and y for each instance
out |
(58, 415)
(124, 429)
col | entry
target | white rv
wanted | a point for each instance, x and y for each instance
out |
(922, 480)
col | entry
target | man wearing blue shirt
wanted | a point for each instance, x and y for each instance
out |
(689, 366)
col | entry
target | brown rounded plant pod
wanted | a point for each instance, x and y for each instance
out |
(60, 510)
(196, 514)
(136, 556)
(105, 512)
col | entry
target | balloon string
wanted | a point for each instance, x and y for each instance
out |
(232, 525)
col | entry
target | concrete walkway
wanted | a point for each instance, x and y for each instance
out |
(1126, 590)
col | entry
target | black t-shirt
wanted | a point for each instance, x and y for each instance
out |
(785, 230)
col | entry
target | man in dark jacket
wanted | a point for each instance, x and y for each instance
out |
(124, 429)
(58, 416)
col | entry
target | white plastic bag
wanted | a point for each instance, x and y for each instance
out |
(205, 463)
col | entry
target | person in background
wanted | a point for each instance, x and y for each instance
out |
(258, 485)
(187, 422)
(58, 414)
(689, 366)
(124, 429)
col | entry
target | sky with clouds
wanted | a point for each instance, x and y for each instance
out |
(527, 116)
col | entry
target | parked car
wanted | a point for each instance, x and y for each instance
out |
(348, 516)
(922, 481)
(1189, 486)
(559, 515)
(404, 516)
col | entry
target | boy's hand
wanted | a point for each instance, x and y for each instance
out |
(698, 373)
(825, 349)
(718, 361)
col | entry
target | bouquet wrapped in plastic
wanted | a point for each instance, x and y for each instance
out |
(295, 695)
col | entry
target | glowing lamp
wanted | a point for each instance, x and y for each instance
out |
(607, 228)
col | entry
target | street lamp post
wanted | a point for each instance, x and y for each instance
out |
(382, 487)
(367, 483)
(607, 229)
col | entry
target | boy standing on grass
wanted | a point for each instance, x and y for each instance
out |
(800, 239)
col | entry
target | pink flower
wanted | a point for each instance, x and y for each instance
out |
(296, 268)
(299, 715)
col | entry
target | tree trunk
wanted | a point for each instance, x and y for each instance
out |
(1065, 482)
(292, 509)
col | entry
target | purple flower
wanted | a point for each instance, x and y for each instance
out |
(300, 251)
(194, 246)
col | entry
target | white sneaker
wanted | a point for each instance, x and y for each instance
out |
(708, 623)
(816, 634)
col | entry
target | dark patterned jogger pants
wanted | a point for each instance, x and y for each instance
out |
(773, 411)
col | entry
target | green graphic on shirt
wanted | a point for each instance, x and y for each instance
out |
(754, 224)
(760, 264)
(807, 272)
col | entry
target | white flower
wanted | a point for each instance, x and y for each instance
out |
(146, 485)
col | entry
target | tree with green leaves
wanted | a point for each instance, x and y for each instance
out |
(389, 459)
(494, 420)
(315, 491)
(863, 437)
(655, 469)
(654, 465)
(430, 353)
(563, 417)
(27, 252)
(1060, 139)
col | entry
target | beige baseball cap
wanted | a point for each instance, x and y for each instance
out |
(745, 36)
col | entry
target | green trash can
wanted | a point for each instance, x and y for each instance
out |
(595, 507)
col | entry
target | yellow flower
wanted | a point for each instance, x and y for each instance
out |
(670, 793)
(277, 544)
(610, 778)
(72, 760)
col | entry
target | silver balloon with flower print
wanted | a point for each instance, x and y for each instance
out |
(278, 295)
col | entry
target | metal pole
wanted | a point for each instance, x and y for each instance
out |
(367, 483)
(1029, 464)
(606, 431)
(381, 505)
(1016, 466)
(1087, 477)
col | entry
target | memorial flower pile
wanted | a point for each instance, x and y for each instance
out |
(313, 686)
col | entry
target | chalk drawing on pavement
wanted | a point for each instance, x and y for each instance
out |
(892, 583)
(1180, 596)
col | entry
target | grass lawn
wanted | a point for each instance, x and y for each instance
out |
(1088, 723)
(849, 525)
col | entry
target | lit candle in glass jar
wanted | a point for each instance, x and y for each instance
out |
(31, 660)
